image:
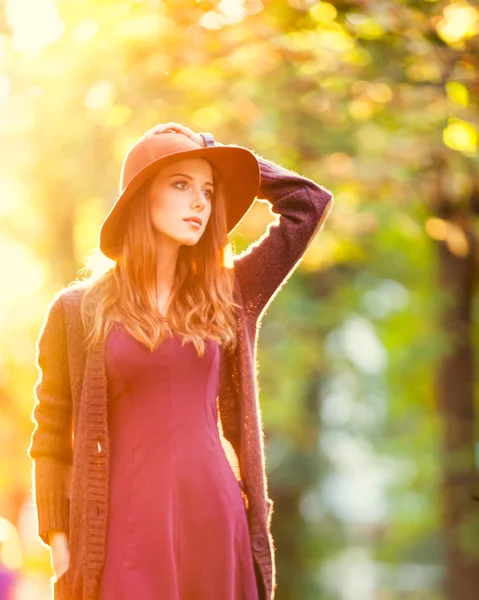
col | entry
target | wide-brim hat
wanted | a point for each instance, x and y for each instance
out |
(237, 166)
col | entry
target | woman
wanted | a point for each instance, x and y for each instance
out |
(149, 463)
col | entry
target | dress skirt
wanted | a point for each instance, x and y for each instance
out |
(177, 523)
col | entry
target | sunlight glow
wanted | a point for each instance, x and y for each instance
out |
(230, 12)
(5, 86)
(95, 264)
(460, 20)
(233, 10)
(35, 24)
(13, 198)
(100, 95)
(85, 30)
(10, 549)
(23, 275)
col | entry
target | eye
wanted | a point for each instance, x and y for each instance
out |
(208, 191)
(178, 182)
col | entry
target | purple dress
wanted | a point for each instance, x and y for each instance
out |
(177, 522)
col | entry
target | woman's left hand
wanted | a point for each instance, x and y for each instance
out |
(178, 128)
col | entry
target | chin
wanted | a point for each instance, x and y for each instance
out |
(191, 242)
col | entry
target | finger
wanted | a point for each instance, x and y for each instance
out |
(172, 125)
(180, 128)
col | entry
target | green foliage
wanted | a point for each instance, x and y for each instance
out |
(376, 101)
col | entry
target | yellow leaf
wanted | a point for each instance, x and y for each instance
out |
(460, 135)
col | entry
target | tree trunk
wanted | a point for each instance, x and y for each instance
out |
(455, 394)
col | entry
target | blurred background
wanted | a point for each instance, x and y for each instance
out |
(368, 371)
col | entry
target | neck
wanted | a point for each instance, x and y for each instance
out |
(166, 259)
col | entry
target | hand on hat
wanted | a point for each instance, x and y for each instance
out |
(178, 128)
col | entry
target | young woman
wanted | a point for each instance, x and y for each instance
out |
(149, 463)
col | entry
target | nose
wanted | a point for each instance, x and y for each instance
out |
(199, 198)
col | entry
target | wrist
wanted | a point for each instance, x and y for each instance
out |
(55, 534)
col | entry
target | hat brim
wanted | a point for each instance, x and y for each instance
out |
(240, 173)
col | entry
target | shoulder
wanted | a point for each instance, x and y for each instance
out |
(73, 292)
(66, 302)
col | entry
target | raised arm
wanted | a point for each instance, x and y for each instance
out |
(302, 206)
(51, 442)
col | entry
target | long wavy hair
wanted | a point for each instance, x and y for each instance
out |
(201, 301)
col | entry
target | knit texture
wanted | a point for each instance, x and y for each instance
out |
(69, 445)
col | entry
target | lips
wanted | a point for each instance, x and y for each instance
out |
(195, 220)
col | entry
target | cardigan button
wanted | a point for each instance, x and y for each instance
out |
(260, 542)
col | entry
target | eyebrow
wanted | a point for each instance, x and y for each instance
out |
(190, 177)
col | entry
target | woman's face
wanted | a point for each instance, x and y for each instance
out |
(181, 190)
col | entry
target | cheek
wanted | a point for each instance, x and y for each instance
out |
(162, 205)
(166, 214)
(156, 210)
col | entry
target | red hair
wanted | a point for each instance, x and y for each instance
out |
(201, 302)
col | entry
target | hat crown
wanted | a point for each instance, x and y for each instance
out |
(149, 148)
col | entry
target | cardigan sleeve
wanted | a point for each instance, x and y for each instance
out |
(51, 441)
(302, 206)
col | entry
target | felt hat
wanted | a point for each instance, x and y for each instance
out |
(237, 166)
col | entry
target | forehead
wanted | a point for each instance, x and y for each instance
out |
(191, 166)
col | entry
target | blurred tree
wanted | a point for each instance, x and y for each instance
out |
(378, 102)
